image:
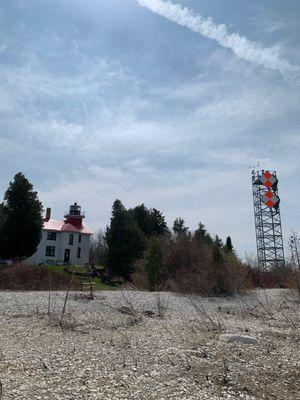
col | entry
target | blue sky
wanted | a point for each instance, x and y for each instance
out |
(151, 102)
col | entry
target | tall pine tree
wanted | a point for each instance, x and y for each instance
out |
(125, 241)
(154, 265)
(201, 234)
(21, 231)
(180, 230)
(218, 241)
(228, 245)
(151, 221)
(3, 214)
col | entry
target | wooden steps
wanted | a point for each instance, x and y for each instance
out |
(87, 285)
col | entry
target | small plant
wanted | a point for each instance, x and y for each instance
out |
(211, 322)
(161, 303)
(226, 371)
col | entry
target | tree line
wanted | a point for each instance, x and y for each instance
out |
(139, 246)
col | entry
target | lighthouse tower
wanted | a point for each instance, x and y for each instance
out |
(74, 216)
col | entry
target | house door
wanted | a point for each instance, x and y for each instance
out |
(67, 256)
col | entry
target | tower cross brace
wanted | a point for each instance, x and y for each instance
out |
(269, 241)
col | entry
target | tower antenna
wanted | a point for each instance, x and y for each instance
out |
(269, 242)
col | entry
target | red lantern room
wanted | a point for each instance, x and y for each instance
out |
(74, 216)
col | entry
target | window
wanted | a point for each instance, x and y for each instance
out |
(71, 238)
(51, 236)
(78, 252)
(50, 251)
(79, 238)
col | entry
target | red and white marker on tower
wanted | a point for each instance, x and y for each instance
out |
(268, 179)
(269, 199)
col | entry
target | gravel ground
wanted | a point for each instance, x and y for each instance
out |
(145, 346)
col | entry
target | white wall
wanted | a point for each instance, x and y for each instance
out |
(40, 253)
(84, 245)
(61, 243)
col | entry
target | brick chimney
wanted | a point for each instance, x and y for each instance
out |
(48, 214)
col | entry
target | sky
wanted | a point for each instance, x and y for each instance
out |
(166, 104)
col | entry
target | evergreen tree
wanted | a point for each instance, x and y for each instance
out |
(158, 223)
(125, 241)
(3, 214)
(202, 235)
(218, 241)
(154, 265)
(219, 269)
(179, 228)
(141, 215)
(200, 232)
(228, 245)
(21, 232)
(150, 221)
(217, 256)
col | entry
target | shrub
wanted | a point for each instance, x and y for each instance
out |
(21, 277)
(276, 277)
(202, 267)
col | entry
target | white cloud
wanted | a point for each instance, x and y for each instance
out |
(3, 48)
(176, 193)
(96, 132)
(21, 4)
(241, 46)
(32, 81)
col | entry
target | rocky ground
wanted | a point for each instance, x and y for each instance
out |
(142, 346)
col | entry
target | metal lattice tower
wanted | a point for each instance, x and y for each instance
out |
(269, 242)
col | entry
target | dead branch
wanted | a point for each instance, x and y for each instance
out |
(202, 312)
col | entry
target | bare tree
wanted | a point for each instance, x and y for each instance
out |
(98, 248)
(294, 244)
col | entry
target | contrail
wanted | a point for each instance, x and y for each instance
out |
(241, 46)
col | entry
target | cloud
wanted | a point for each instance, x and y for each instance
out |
(241, 46)
(92, 126)
(3, 48)
(168, 191)
(20, 4)
(32, 80)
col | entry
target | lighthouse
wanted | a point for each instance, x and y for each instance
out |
(74, 216)
(64, 241)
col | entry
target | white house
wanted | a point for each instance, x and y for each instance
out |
(63, 241)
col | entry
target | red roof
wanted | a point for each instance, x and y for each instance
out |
(61, 226)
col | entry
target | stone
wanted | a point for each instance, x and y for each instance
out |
(229, 338)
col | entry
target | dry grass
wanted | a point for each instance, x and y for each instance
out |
(23, 277)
